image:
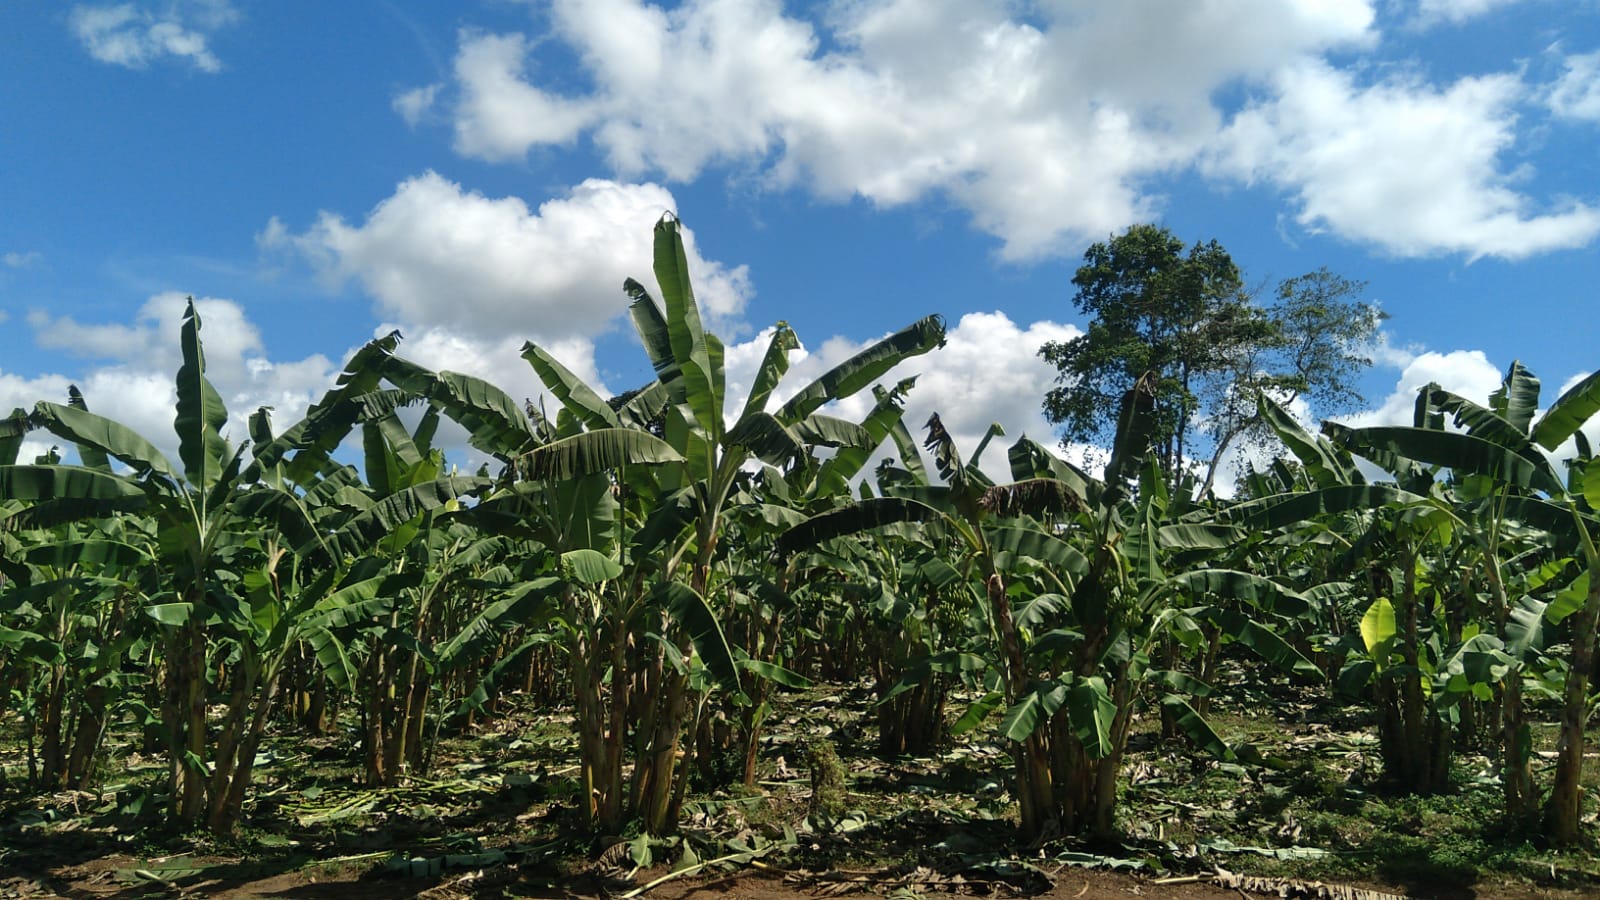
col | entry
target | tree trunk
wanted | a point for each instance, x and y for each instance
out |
(52, 757)
(1035, 792)
(234, 731)
(87, 736)
(184, 711)
(1516, 748)
(1563, 810)
(373, 710)
(228, 806)
(1413, 740)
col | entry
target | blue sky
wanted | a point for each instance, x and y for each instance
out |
(484, 173)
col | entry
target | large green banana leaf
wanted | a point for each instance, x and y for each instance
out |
(1478, 420)
(12, 430)
(1517, 398)
(520, 606)
(69, 483)
(1195, 727)
(774, 363)
(1570, 412)
(704, 630)
(1030, 459)
(861, 370)
(1262, 593)
(858, 442)
(1259, 639)
(1201, 536)
(94, 553)
(1010, 543)
(644, 406)
(578, 398)
(588, 567)
(91, 456)
(831, 431)
(201, 414)
(494, 422)
(1135, 426)
(653, 333)
(905, 445)
(1462, 453)
(766, 438)
(362, 530)
(1318, 457)
(673, 515)
(1285, 510)
(863, 515)
(699, 374)
(593, 452)
(86, 429)
(328, 421)
(31, 647)
(1032, 710)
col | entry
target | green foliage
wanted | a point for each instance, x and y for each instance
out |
(1188, 319)
(662, 569)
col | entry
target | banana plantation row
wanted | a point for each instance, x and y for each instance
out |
(659, 571)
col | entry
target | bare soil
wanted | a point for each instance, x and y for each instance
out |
(235, 879)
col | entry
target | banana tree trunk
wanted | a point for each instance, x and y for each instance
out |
(660, 765)
(1414, 741)
(753, 718)
(1564, 807)
(594, 751)
(373, 710)
(1103, 816)
(52, 757)
(1516, 740)
(661, 797)
(610, 774)
(227, 805)
(87, 736)
(1516, 748)
(184, 710)
(1035, 794)
(234, 729)
(1208, 666)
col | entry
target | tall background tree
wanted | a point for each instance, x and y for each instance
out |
(1189, 318)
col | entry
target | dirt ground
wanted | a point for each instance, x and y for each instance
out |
(119, 877)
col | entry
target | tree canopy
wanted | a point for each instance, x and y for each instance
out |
(1188, 317)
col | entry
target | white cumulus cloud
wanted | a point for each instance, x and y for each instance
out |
(1048, 127)
(499, 115)
(1465, 372)
(434, 255)
(1576, 94)
(1045, 129)
(412, 105)
(135, 35)
(1399, 164)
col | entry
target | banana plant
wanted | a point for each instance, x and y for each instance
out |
(643, 481)
(1074, 595)
(69, 606)
(226, 524)
(673, 550)
(1385, 541)
(1499, 459)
